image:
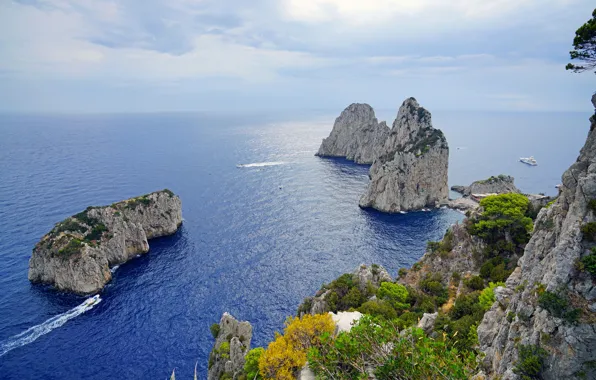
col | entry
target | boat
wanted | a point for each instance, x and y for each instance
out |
(528, 160)
(92, 301)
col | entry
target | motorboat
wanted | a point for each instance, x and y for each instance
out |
(528, 160)
(92, 301)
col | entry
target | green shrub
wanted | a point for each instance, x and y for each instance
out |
(589, 263)
(69, 225)
(224, 350)
(456, 277)
(85, 218)
(495, 270)
(411, 356)
(466, 305)
(487, 296)
(344, 294)
(531, 362)
(589, 231)
(474, 283)
(558, 305)
(97, 232)
(169, 192)
(431, 284)
(402, 272)
(251, 364)
(395, 294)
(74, 246)
(592, 205)
(378, 308)
(215, 330)
(510, 316)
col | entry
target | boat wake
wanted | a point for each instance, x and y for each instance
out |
(261, 164)
(35, 332)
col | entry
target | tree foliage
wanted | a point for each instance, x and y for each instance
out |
(487, 296)
(584, 46)
(251, 364)
(287, 352)
(395, 294)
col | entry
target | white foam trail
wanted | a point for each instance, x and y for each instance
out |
(35, 332)
(115, 268)
(261, 164)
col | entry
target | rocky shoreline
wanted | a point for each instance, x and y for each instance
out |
(77, 254)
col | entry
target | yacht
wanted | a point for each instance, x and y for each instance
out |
(529, 160)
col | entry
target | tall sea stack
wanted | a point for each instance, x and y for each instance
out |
(410, 172)
(356, 135)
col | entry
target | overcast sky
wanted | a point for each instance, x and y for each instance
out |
(197, 55)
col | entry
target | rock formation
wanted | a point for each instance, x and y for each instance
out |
(77, 254)
(551, 263)
(232, 343)
(363, 277)
(410, 172)
(500, 184)
(356, 135)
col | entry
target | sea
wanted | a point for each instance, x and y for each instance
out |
(266, 223)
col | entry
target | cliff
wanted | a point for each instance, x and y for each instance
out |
(356, 135)
(232, 342)
(547, 311)
(410, 172)
(77, 254)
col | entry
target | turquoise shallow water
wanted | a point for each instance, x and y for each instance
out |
(255, 241)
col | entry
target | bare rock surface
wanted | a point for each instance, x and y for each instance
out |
(77, 254)
(410, 172)
(356, 135)
(501, 184)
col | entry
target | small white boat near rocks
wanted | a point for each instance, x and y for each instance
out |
(528, 160)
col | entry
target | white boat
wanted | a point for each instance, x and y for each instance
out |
(528, 160)
(91, 301)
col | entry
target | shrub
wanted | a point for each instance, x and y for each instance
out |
(456, 277)
(215, 330)
(85, 218)
(531, 362)
(287, 352)
(74, 246)
(395, 294)
(402, 272)
(589, 263)
(466, 304)
(251, 364)
(487, 296)
(558, 306)
(495, 270)
(592, 205)
(97, 232)
(431, 284)
(305, 306)
(69, 225)
(474, 283)
(224, 350)
(344, 294)
(589, 231)
(379, 344)
(416, 267)
(169, 192)
(378, 308)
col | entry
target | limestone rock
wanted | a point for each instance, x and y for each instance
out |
(427, 322)
(356, 135)
(230, 348)
(411, 170)
(77, 255)
(549, 260)
(345, 320)
(501, 184)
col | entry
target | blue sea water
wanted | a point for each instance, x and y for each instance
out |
(255, 241)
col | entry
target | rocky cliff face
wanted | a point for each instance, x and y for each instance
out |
(410, 172)
(501, 184)
(231, 346)
(551, 263)
(356, 135)
(77, 255)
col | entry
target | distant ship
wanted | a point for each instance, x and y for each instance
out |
(529, 160)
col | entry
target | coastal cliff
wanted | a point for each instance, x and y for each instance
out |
(500, 184)
(410, 172)
(356, 135)
(77, 254)
(547, 310)
(232, 342)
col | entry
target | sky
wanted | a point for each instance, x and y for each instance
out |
(202, 55)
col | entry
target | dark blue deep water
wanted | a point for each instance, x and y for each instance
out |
(255, 240)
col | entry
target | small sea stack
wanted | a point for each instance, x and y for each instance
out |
(77, 254)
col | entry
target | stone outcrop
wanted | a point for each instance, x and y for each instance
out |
(550, 263)
(77, 254)
(500, 184)
(229, 351)
(410, 172)
(356, 135)
(363, 276)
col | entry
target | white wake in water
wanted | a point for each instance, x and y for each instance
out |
(35, 332)
(261, 164)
